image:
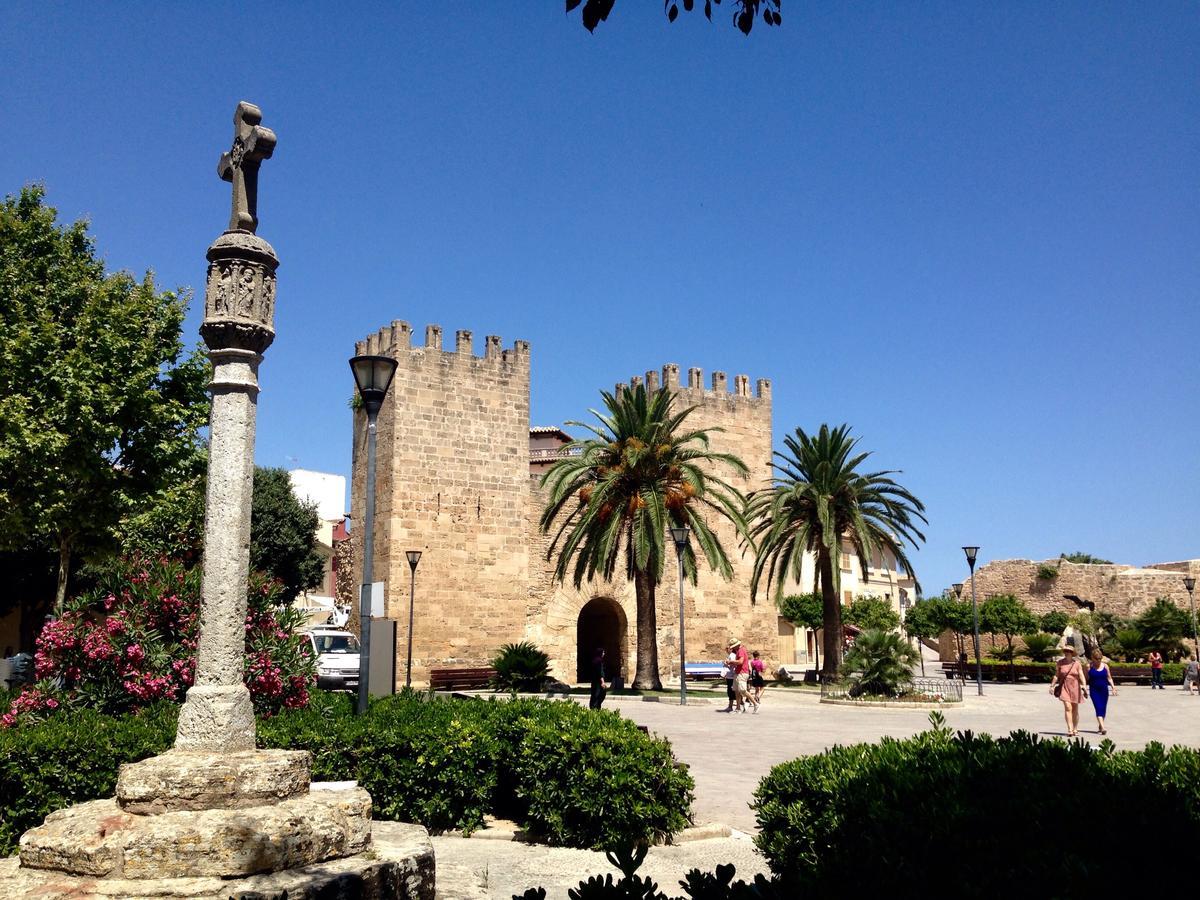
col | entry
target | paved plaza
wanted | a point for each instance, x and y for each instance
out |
(728, 754)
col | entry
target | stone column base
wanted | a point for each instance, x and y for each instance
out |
(398, 866)
(216, 718)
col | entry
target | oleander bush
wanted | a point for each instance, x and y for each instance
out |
(570, 775)
(980, 811)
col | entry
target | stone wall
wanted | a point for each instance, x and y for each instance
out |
(1121, 590)
(453, 480)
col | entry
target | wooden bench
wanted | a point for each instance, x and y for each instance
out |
(461, 679)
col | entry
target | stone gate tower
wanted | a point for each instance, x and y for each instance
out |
(454, 481)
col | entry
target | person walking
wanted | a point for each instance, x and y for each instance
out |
(1100, 684)
(1191, 677)
(1156, 671)
(1069, 687)
(757, 682)
(727, 672)
(599, 679)
(741, 675)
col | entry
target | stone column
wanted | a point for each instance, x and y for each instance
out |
(239, 311)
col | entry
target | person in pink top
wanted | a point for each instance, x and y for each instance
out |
(757, 681)
(1156, 678)
(741, 675)
(1069, 687)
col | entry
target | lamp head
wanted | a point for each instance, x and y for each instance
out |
(1189, 582)
(373, 377)
(414, 557)
(957, 586)
(679, 534)
(971, 552)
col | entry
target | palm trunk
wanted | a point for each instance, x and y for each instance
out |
(832, 610)
(64, 566)
(646, 677)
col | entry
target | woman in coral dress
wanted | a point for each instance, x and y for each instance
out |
(1069, 687)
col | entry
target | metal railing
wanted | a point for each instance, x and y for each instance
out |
(552, 453)
(931, 690)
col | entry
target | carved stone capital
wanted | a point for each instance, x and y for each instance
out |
(239, 300)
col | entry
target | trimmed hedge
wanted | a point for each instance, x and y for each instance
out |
(570, 775)
(71, 757)
(978, 811)
(1172, 672)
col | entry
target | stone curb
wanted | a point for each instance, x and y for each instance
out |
(508, 831)
(877, 704)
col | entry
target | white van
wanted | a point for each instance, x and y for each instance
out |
(337, 658)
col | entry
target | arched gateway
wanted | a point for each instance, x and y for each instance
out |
(602, 623)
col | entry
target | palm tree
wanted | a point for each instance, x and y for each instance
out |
(880, 662)
(818, 499)
(614, 497)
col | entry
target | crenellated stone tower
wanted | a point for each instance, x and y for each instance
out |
(454, 482)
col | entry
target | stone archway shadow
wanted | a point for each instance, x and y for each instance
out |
(601, 623)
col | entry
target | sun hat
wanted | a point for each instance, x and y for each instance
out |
(733, 642)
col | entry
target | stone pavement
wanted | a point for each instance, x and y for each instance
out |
(728, 754)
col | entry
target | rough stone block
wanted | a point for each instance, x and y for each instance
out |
(179, 780)
(100, 839)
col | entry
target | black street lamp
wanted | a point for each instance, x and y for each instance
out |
(957, 588)
(373, 377)
(414, 557)
(1189, 582)
(679, 534)
(972, 552)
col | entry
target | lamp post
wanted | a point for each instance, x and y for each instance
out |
(414, 557)
(373, 377)
(957, 587)
(972, 552)
(679, 534)
(1189, 582)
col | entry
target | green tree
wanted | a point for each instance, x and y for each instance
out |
(881, 663)
(805, 611)
(744, 14)
(100, 404)
(610, 504)
(820, 498)
(869, 611)
(1054, 622)
(1004, 614)
(924, 622)
(1162, 626)
(1080, 557)
(283, 534)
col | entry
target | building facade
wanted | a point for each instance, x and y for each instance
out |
(458, 471)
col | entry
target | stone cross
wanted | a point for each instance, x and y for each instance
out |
(252, 143)
(218, 716)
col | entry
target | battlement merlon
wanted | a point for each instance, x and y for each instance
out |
(695, 384)
(392, 340)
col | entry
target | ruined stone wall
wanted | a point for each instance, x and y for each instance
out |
(1121, 590)
(452, 481)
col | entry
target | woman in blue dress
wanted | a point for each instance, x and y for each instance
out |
(1100, 684)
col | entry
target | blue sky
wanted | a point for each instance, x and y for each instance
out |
(971, 230)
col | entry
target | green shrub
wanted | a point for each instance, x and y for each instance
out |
(871, 613)
(879, 663)
(1039, 646)
(592, 779)
(979, 811)
(520, 667)
(579, 777)
(422, 761)
(1054, 622)
(70, 758)
(1047, 572)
